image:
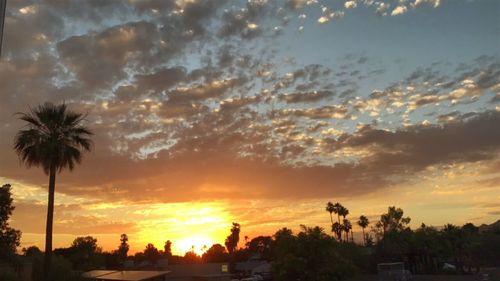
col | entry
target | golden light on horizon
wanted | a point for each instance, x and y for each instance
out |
(191, 226)
(197, 244)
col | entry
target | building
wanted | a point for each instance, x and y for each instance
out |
(126, 275)
(199, 272)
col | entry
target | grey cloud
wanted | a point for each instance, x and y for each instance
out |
(162, 79)
(306, 96)
(472, 138)
(98, 59)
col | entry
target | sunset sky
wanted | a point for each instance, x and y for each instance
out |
(258, 112)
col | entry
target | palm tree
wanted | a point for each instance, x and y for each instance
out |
(337, 208)
(54, 139)
(330, 208)
(363, 223)
(343, 211)
(347, 226)
(337, 228)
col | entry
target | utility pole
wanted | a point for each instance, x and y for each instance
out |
(3, 6)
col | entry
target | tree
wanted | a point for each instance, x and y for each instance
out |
(337, 228)
(233, 238)
(392, 221)
(191, 257)
(83, 253)
(53, 140)
(330, 208)
(31, 251)
(337, 209)
(9, 237)
(151, 253)
(216, 253)
(261, 245)
(311, 255)
(346, 226)
(343, 211)
(363, 223)
(123, 248)
(167, 248)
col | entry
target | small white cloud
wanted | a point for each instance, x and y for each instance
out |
(419, 3)
(382, 7)
(252, 26)
(350, 4)
(323, 19)
(399, 11)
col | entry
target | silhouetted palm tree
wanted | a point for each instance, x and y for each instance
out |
(337, 228)
(54, 139)
(343, 211)
(363, 223)
(330, 208)
(337, 208)
(346, 226)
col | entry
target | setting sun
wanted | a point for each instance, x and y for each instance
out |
(197, 244)
(195, 224)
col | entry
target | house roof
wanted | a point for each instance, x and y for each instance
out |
(128, 275)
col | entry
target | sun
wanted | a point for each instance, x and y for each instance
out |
(197, 244)
(190, 226)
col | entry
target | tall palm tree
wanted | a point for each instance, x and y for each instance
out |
(347, 226)
(330, 208)
(54, 139)
(343, 211)
(337, 208)
(337, 228)
(363, 223)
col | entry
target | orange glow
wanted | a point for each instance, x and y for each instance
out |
(197, 244)
(190, 226)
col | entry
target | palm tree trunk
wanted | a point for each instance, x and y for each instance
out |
(364, 238)
(50, 222)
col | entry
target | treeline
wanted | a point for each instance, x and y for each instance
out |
(312, 253)
(315, 254)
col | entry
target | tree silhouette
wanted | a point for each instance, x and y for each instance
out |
(330, 208)
(343, 211)
(167, 248)
(54, 139)
(363, 223)
(337, 228)
(346, 226)
(233, 238)
(123, 248)
(151, 253)
(392, 221)
(337, 209)
(216, 253)
(9, 237)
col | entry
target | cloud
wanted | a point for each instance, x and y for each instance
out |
(306, 96)
(471, 138)
(99, 59)
(324, 112)
(162, 79)
(350, 4)
(421, 3)
(399, 10)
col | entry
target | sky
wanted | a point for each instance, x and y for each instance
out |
(259, 112)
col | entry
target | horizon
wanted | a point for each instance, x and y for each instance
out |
(258, 112)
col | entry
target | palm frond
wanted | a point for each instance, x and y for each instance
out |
(55, 138)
